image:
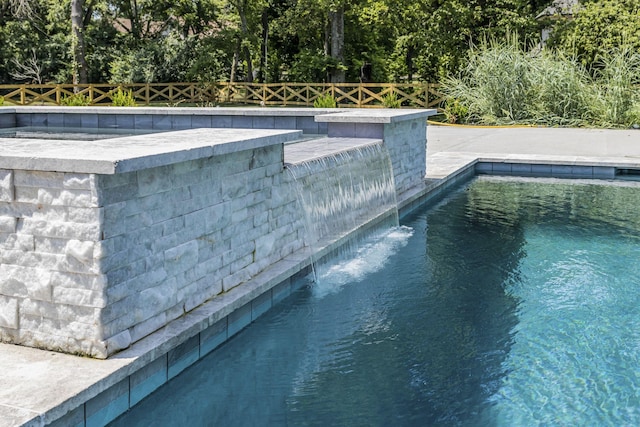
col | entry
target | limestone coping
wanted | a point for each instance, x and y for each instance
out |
(132, 153)
(336, 115)
(382, 115)
(166, 111)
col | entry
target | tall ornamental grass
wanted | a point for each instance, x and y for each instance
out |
(618, 78)
(504, 84)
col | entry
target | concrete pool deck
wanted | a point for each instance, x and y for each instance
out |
(451, 147)
(37, 382)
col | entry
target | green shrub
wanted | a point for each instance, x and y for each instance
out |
(495, 84)
(75, 100)
(504, 84)
(632, 117)
(123, 98)
(391, 100)
(617, 82)
(455, 111)
(325, 101)
(564, 93)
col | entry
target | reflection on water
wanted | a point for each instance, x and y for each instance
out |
(509, 303)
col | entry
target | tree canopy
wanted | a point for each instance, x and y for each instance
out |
(124, 41)
(597, 28)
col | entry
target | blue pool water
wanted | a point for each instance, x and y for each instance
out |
(510, 303)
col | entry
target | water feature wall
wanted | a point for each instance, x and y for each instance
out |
(404, 135)
(104, 242)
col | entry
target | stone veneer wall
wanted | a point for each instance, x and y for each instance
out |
(51, 292)
(407, 145)
(92, 263)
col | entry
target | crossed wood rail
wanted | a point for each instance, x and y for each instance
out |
(422, 95)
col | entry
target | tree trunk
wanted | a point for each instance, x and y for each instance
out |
(336, 19)
(245, 49)
(80, 69)
(241, 8)
(236, 58)
(327, 47)
(136, 29)
(264, 51)
(410, 64)
(247, 58)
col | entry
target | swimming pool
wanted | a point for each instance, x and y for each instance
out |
(510, 302)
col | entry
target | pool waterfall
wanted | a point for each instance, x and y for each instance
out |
(195, 228)
(344, 196)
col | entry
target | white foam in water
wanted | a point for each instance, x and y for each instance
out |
(371, 256)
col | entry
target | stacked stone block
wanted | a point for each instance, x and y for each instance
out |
(407, 145)
(52, 289)
(91, 263)
(181, 234)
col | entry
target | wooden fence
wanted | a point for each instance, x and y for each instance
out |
(424, 95)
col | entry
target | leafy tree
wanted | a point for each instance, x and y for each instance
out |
(597, 28)
(274, 40)
(439, 33)
(31, 49)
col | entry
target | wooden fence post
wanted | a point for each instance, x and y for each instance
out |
(284, 91)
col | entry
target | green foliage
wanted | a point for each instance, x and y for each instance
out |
(618, 77)
(325, 101)
(123, 98)
(503, 83)
(134, 66)
(391, 100)
(309, 66)
(287, 40)
(632, 116)
(455, 111)
(163, 60)
(75, 100)
(434, 38)
(597, 28)
(495, 85)
(564, 92)
(211, 61)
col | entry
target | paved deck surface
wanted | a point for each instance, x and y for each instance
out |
(451, 147)
(34, 381)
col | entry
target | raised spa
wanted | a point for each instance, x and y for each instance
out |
(136, 247)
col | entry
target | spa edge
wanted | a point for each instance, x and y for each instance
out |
(104, 242)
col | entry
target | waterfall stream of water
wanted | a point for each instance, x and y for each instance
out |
(349, 205)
